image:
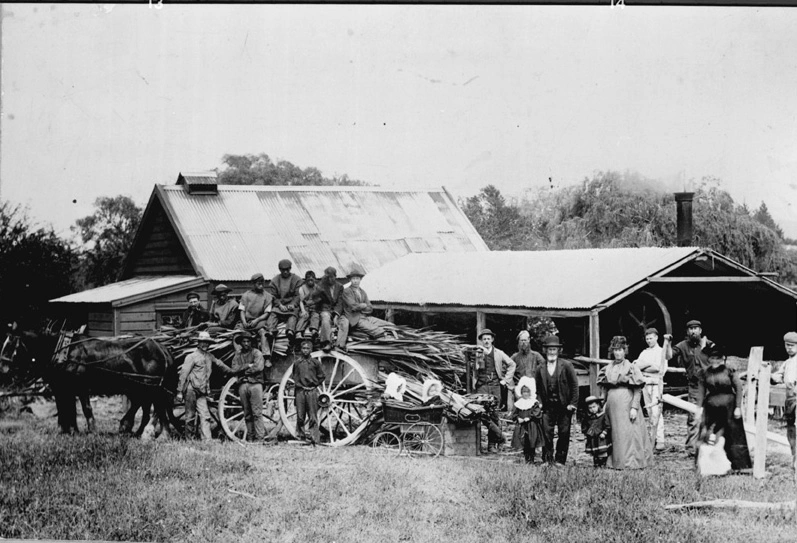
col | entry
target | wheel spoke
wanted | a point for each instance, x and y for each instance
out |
(352, 389)
(341, 422)
(342, 381)
(332, 375)
(359, 402)
(329, 425)
(235, 417)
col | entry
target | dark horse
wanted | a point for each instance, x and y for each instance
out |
(138, 367)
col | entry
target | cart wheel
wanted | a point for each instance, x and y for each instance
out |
(423, 439)
(342, 399)
(386, 444)
(231, 411)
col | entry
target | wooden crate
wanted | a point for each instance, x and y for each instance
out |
(461, 439)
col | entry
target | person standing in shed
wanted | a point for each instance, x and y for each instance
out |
(285, 289)
(308, 375)
(526, 359)
(557, 389)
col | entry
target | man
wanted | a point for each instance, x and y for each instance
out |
(194, 386)
(494, 370)
(195, 314)
(355, 310)
(557, 390)
(223, 311)
(526, 360)
(254, 308)
(285, 289)
(308, 375)
(326, 299)
(248, 364)
(787, 374)
(688, 354)
(308, 316)
(653, 365)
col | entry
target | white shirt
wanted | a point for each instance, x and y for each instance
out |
(650, 362)
(787, 374)
(551, 367)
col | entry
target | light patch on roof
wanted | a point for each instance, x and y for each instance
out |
(124, 291)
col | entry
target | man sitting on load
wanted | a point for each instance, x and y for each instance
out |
(326, 298)
(308, 316)
(355, 311)
(254, 308)
(195, 314)
(223, 311)
(285, 289)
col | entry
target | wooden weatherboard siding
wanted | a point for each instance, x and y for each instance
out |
(161, 252)
(100, 322)
(142, 318)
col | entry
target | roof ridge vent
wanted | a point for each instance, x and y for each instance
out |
(199, 182)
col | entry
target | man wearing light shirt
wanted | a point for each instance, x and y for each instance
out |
(787, 374)
(653, 365)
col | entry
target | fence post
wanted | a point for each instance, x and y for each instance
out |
(762, 417)
(753, 363)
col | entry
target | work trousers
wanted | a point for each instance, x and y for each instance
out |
(556, 417)
(251, 395)
(308, 324)
(791, 431)
(365, 324)
(307, 406)
(652, 396)
(494, 434)
(325, 329)
(692, 424)
(275, 318)
(196, 405)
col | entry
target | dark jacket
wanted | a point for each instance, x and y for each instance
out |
(193, 316)
(565, 380)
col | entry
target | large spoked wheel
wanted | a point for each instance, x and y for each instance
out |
(342, 399)
(423, 440)
(231, 411)
(386, 444)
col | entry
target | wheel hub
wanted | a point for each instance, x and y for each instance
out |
(324, 400)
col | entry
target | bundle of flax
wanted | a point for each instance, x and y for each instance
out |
(182, 342)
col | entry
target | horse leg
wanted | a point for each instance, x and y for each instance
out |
(85, 404)
(126, 423)
(146, 413)
(67, 412)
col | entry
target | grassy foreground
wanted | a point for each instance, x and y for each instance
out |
(108, 487)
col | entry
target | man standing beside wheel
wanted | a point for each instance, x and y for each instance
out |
(653, 365)
(308, 375)
(557, 390)
(494, 370)
(194, 386)
(689, 354)
(248, 364)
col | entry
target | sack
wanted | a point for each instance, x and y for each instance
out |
(712, 460)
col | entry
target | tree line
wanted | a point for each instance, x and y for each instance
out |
(606, 210)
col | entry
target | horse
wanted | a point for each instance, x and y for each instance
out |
(136, 366)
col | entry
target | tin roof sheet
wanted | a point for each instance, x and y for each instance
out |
(568, 279)
(244, 229)
(118, 293)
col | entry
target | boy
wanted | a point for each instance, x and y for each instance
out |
(308, 375)
(598, 431)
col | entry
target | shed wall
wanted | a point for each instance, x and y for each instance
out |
(147, 316)
(161, 253)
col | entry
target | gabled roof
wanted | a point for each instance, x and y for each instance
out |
(247, 229)
(132, 290)
(580, 279)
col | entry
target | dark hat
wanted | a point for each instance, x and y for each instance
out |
(241, 335)
(618, 342)
(356, 271)
(308, 341)
(309, 274)
(551, 341)
(713, 351)
(694, 322)
(192, 295)
(331, 271)
(284, 264)
(257, 277)
(790, 337)
(221, 287)
(486, 332)
(651, 331)
(593, 399)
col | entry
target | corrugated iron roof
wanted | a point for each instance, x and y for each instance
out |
(198, 178)
(132, 290)
(245, 229)
(570, 279)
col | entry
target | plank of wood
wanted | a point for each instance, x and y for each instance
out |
(137, 316)
(762, 417)
(594, 351)
(101, 317)
(753, 363)
(731, 504)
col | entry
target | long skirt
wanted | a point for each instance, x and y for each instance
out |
(631, 447)
(718, 418)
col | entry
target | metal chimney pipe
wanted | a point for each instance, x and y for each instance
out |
(683, 206)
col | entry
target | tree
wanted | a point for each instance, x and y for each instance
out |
(260, 170)
(762, 215)
(107, 236)
(501, 225)
(35, 266)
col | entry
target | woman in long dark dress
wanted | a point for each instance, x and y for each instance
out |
(721, 390)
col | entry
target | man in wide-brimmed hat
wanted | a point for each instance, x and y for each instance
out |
(355, 310)
(494, 371)
(689, 354)
(254, 307)
(248, 364)
(223, 311)
(285, 289)
(557, 389)
(195, 314)
(194, 386)
(326, 299)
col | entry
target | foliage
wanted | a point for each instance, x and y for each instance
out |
(35, 266)
(107, 237)
(261, 170)
(762, 215)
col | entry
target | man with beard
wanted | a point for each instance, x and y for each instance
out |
(285, 289)
(557, 390)
(325, 298)
(195, 314)
(527, 361)
(688, 354)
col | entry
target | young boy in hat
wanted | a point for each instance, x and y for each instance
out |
(787, 374)
(248, 365)
(598, 431)
(194, 386)
(527, 414)
(195, 314)
(308, 375)
(308, 316)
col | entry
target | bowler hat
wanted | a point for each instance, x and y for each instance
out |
(192, 295)
(284, 264)
(309, 274)
(790, 337)
(257, 277)
(241, 335)
(331, 271)
(356, 271)
(694, 322)
(551, 341)
(221, 287)
(593, 399)
(486, 332)
(204, 337)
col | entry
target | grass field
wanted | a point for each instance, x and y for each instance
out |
(107, 487)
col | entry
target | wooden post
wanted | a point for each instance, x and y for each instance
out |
(760, 460)
(390, 315)
(753, 363)
(481, 323)
(594, 351)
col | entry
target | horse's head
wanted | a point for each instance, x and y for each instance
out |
(22, 350)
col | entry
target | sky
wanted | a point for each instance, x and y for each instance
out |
(100, 100)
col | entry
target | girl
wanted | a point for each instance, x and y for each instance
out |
(598, 431)
(527, 413)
